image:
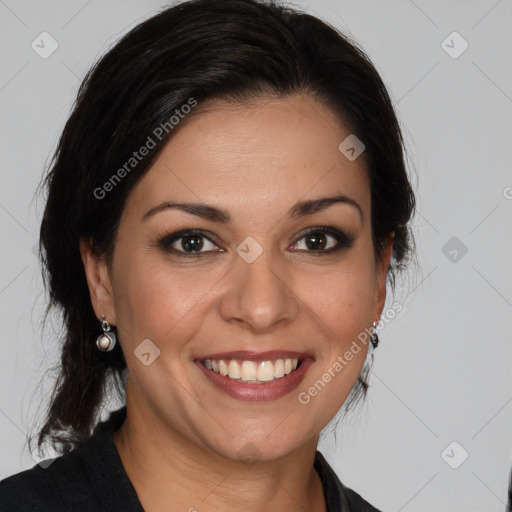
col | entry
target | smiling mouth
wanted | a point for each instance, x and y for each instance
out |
(252, 372)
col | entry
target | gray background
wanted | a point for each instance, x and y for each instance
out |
(442, 372)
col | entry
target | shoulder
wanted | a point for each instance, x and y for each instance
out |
(357, 503)
(337, 495)
(89, 478)
(60, 486)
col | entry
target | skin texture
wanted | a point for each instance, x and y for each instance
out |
(180, 441)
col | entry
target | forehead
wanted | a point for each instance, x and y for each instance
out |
(255, 155)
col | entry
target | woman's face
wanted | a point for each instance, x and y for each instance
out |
(246, 282)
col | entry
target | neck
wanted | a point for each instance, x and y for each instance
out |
(165, 467)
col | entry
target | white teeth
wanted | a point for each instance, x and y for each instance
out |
(234, 370)
(279, 369)
(266, 371)
(251, 371)
(223, 367)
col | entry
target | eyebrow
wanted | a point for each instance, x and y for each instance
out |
(298, 210)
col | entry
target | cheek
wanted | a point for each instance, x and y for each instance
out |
(341, 298)
(153, 297)
(341, 305)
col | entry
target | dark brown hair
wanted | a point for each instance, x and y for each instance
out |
(233, 50)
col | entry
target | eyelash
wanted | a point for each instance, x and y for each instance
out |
(344, 241)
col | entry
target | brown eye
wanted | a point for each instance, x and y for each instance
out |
(192, 243)
(188, 243)
(323, 240)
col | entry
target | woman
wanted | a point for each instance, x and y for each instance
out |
(225, 207)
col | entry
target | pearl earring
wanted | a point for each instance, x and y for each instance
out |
(107, 340)
(374, 338)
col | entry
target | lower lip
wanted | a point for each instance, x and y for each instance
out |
(258, 392)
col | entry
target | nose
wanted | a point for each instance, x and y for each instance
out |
(259, 295)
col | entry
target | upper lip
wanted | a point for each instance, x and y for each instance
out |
(250, 355)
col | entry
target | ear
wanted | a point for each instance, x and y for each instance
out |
(381, 273)
(98, 281)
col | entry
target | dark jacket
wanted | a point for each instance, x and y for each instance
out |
(92, 479)
(509, 504)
